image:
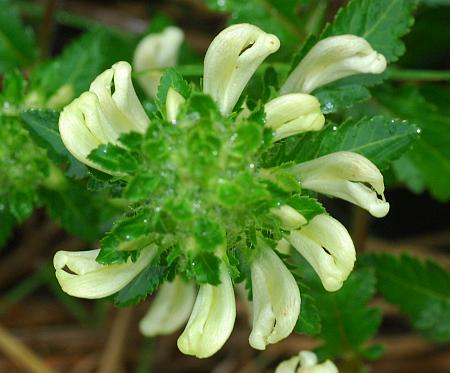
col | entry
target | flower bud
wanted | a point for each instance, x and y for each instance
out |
(212, 319)
(290, 218)
(276, 300)
(292, 114)
(305, 362)
(100, 116)
(344, 175)
(173, 102)
(170, 309)
(331, 59)
(327, 246)
(156, 51)
(92, 280)
(231, 60)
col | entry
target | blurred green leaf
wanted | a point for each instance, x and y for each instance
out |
(420, 289)
(114, 159)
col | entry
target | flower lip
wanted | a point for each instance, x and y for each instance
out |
(333, 58)
(232, 58)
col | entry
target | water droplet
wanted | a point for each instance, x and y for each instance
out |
(334, 128)
(214, 152)
(251, 165)
(128, 237)
(145, 221)
(157, 209)
(419, 130)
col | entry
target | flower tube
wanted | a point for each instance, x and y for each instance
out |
(344, 175)
(292, 114)
(170, 309)
(331, 59)
(306, 362)
(326, 245)
(99, 116)
(276, 300)
(289, 217)
(92, 280)
(156, 51)
(231, 60)
(212, 319)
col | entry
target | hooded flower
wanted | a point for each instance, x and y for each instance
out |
(156, 51)
(101, 115)
(276, 300)
(292, 114)
(170, 309)
(231, 59)
(345, 175)
(306, 362)
(331, 59)
(90, 279)
(212, 319)
(327, 246)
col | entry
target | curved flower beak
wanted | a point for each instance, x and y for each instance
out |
(331, 59)
(327, 246)
(156, 51)
(99, 116)
(170, 308)
(344, 175)
(276, 300)
(290, 218)
(292, 114)
(91, 280)
(212, 319)
(231, 60)
(306, 362)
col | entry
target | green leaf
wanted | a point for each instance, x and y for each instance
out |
(13, 92)
(429, 159)
(77, 210)
(43, 128)
(141, 286)
(205, 268)
(347, 321)
(309, 322)
(141, 187)
(171, 79)
(308, 207)
(420, 289)
(57, 82)
(379, 139)
(114, 158)
(208, 234)
(17, 47)
(382, 23)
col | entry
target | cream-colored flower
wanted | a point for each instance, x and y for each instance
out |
(173, 102)
(276, 300)
(100, 116)
(231, 60)
(290, 218)
(170, 309)
(326, 245)
(331, 59)
(345, 175)
(86, 278)
(292, 114)
(156, 51)
(306, 362)
(212, 319)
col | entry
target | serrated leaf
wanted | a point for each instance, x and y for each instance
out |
(141, 286)
(114, 158)
(208, 234)
(382, 23)
(347, 321)
(171, 79)
(17, 47)
(141, 187)
(308, 207)
(205, 268)
(309, 322)
(379, 139)
(339, 95)
(420, 289)
(429, 158)
(43, 128)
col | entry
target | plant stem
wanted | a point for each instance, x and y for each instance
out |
(427, 75)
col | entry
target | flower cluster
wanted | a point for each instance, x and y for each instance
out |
(111, 109)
